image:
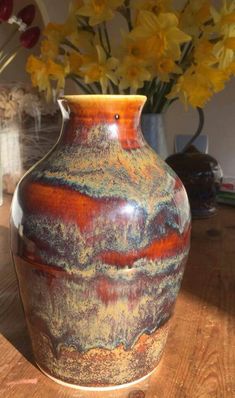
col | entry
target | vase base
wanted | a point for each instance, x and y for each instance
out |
(108, 388)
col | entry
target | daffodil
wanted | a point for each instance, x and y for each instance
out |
(224, 21)
(58, 72)
(49, 49)
(198, 84)
(204, 53)
(133, 73)
(191, 49)
(75, 60)
(225, 17)
(224, 50)
(39, 74)
(99, 10)
(161, 34)
(100, 70)
(55, 32)
(163, 69)
(43, 72)
(195, 14)
(136, 48)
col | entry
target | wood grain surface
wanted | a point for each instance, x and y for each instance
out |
(199, 359)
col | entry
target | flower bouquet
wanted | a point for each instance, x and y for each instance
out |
(148, 47)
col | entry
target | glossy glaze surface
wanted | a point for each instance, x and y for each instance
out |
(100, 236)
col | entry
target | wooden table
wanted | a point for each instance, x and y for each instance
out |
(199, 360)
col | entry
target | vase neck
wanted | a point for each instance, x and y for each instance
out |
(118, 115)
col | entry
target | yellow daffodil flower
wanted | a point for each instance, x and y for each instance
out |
(101, 70)
(197, 85)
(99, 10)
(195, 15)
(75, 60)
(136, 48)
(49, 49)
(58, 72)
(192, 48)
(224, 21)
(224, 51)
(161, 34)
(163, 68)
(39, 75)
(133, 73)
(55, 32)
(225, 17)
(204, 53)
(42, 72)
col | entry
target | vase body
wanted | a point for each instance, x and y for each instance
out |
(202, 176)
(152, 126)
(100, 233)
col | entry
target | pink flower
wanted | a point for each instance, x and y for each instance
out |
(6, 8)
(27, 14)
(30, 37)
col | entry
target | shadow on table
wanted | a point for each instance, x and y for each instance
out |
(12, 321)
(210, 271)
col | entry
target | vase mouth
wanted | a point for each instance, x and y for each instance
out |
(102, 97)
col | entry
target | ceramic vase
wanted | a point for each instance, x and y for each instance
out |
(100, 232)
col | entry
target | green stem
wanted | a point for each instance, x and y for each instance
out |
(101, 41)
(114, 87)
(127, 14)
(107, 38)
(66, 42)
(85, 26)
(98, 87)
(185, 6)
(83, 87)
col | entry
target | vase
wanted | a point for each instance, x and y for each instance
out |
(201, 175)
(100, 232)
(153, 129)
(28, 129)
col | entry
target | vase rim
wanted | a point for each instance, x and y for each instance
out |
(121, 97)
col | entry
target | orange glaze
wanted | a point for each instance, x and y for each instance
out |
(83, 209)
(88, 113)
(168, 246)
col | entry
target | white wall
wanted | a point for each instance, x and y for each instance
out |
(219, 125)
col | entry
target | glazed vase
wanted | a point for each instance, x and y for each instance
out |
(152, 126)
(100, 232)
(201, 175)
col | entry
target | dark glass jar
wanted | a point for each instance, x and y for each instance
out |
(201, 175)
